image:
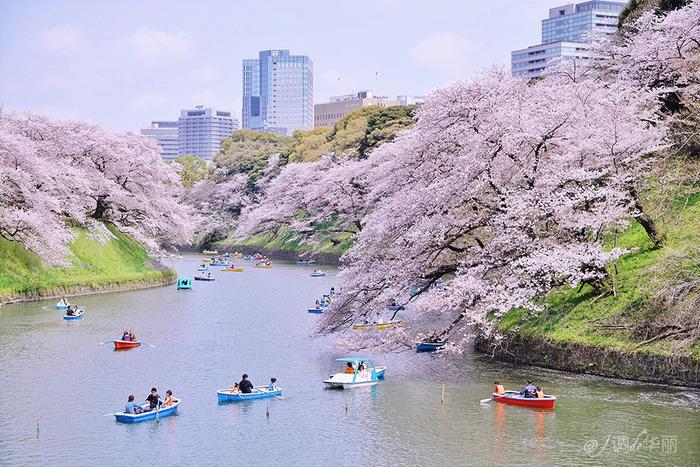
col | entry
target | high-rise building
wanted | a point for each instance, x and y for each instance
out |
(564, 36)
(327, 113)
(278, 92)
(165, 134)
(200, 130)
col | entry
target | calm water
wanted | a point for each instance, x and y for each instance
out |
(57, 383)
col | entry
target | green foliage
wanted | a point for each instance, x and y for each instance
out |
(191, 169)
(248, 151)
(635, 8)
(94, 264)
(384, 124)
(310, 145)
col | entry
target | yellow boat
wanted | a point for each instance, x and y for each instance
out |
(207, 260)
(232, 270)
(376, 326)
(263, 266)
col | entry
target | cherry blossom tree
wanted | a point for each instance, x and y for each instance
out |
(84, 173)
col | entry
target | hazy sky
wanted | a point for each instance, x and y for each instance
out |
(121, 64)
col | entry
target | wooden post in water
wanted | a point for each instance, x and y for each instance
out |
(442, 395)
(267, 410)
(346, 406)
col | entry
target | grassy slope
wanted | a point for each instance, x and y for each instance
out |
(572, 315)
(93, 264)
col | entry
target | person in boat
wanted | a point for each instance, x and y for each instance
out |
(332, 292)
(273, 384)
(318, 304)
(71, 310)
(63, 301)
(499, 389)
(245, 386)
(350, 369)
(539, 393)
(530, 390)
(235, 389)
(361, 367)
(208, 275)
(132, 407)
(132, 336)
(153, 399)
(169, 399)
(126, 336)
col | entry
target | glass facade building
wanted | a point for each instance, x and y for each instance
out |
(278, 92)
(564, 36)
(201, 130)
(165, 134)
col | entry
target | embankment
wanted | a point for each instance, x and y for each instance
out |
(120, 263)
(581, 358)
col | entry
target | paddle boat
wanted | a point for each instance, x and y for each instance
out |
(514, 398)
(248, 258)
(306, 261)
(162, 411)
(62, 305)
(338, 378)
(207, 260)
(210, 252)
(379, 325)
(259, 392)
(317, 311)
(429, 346)
(226, 255)
(317, 274)
(78, 315)
(184, 283)
(232, 269)
(123, 345)
(263, 266)
(204, 278)
(220, 263)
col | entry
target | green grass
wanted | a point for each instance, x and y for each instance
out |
(93, 264)
(288, 240)
(575, 315)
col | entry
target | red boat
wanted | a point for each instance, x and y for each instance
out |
(514, 398)
(120, 345)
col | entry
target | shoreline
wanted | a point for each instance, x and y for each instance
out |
(80, 290)
(272, 253)
(586, 359)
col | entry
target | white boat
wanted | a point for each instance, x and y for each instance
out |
(339, 377)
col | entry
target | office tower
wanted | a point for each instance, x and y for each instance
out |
(278, 92)
(165, 134)
(327, 113)
(200, 131)
(564, 36)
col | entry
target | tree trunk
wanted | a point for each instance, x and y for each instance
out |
(101, 207)
(646, 221)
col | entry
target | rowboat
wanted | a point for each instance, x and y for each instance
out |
(317, 274)
(220, 263)
(210, 252)
(78, 315)
(317, 311)
(306, 261)
(514, 398)
(208, 279)
(370, 376)
(248, 258)
(232, 269)
(62, 306)
(121, 345)
(259, 392)
(162, 411)
(263, 266)
(376, 326)
(184, 283)
(429, 346)
(202, 269)
(207, 260)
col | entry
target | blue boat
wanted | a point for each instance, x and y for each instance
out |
(62, 306)
(78, 315)
(207, 279)
(339, 377)
(202, 269)
(219, 263)
(429, 346)
(306, 261)
(259, 392)
(249, 258)
(317, 274)
(317, 311)
(123, 417)
(184, 283)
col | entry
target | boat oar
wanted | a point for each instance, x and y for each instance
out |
(484, 401)
(106, 342)
(146, 343)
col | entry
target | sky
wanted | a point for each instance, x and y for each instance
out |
(121, 64)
